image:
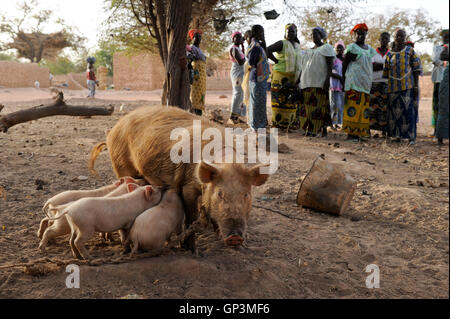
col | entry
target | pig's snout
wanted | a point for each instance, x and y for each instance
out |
(234, 240)
(234, 231)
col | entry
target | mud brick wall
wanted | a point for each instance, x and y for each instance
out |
(102, 74)
(220, 79)
(145, 72)
(141, 72)
(426, 86)
(22, 75)
(77, 81)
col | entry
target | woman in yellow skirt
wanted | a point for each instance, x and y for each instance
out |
(358, 73)
(285, 78)
(198, 87)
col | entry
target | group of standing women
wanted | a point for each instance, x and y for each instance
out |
(356, 86)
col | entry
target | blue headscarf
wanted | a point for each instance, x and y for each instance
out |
(322, 32)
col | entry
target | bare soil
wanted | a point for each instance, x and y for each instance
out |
(398, 218)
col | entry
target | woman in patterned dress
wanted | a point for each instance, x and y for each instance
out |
(316, 69)
(378, 93)
(357, 70)
(259, 73)
(198, 87)
(402, 69)
(285, 77)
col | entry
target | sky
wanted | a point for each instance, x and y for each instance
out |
(88, 15)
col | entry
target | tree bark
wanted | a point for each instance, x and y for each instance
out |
(164, 93)
(58, 107)
(178, 18)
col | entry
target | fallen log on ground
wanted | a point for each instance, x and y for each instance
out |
(58, 107)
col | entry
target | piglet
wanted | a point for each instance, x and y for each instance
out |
(107, 214)
(60, 227)
(73, 195)
(153, 228)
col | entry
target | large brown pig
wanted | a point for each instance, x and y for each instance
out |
(139, 145)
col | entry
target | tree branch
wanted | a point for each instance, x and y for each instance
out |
(136, 14)
(160, 7)
(58, 107)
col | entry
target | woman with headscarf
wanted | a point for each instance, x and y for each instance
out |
(259, 73)
(285, 77)
(436, 74)
(402, 69)
(336, 86)
(378, 93)
(442, 123)
(357, 70)
(198, 87)
(237, 57)
(91, 80)
(316, 69)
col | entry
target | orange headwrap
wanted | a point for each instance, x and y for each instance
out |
(192, 32)
(360, 26)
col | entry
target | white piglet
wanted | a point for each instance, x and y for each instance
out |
(73, 195)
(106, 214)
(60, 227)
(153, 228)
(70, 196)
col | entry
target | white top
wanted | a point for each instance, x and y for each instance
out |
(438, 65)
(378, 75)
(359, 73)
(314, 66)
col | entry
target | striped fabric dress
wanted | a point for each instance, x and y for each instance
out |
(399, 69)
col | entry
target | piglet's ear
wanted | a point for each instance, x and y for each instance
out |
(207, 172)
(118, 183)
(148, 193)
(131, 187)
(256, 178)
(129, 180)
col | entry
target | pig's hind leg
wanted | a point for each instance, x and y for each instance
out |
(80, 241)
(73, 236)
(59, 228)
(42, 227)
(74, 249)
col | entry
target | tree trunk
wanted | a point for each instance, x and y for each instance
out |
(178, 18)
(164, 93)
(58, 107)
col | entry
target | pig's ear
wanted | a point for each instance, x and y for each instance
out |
(207, 172)
(256, 177)
(118, 183)
(131, 187)
(148, 193)
(129, 180)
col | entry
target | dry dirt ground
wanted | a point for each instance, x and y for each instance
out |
(398, 219)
